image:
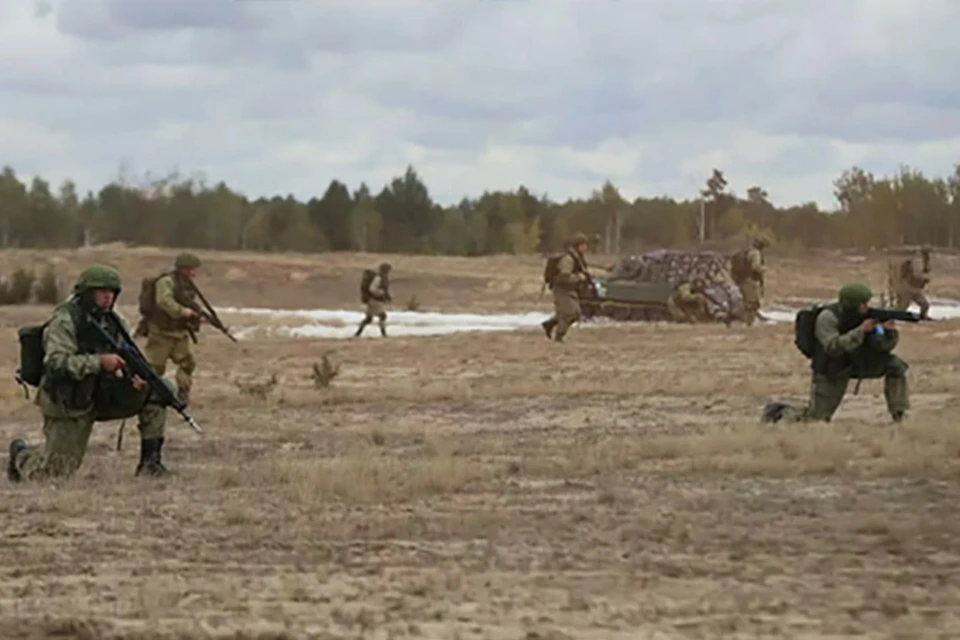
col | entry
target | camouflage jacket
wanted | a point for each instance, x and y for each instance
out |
(172, 300)
(842, 346)
(912, 276)
(755, 263)
(73, 378)
(570, 273)
(379, 289)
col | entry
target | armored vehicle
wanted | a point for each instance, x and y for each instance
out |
(638, 287)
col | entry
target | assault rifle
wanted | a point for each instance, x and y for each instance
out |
(211, 316)
(135, 364)
(882, 315)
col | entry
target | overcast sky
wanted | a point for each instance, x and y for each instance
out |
(281, 96)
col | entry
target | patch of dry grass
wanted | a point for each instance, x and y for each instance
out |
(496, 485)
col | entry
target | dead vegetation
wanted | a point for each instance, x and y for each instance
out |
(498, 485)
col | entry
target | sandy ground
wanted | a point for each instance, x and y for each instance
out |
(496, 485)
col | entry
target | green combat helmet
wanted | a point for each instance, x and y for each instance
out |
(187, 261)
(98, 277)
(577, 239)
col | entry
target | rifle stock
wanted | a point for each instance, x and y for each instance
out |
(135, 364)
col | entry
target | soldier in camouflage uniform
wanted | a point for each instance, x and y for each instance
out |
(849, 346)
(81, 383)
(751, 288)
(688, 303)
(571, 273)
(911, 283)
(379, 295)
(170, 321)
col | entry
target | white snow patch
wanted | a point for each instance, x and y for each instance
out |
(331, 323)
(337, 324)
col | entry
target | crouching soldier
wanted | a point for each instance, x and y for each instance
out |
(843, 344)
(688, 302)
(80, 383)
(375, 293)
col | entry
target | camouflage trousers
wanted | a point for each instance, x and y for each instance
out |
(162, 347)
(826, 394)
(907, 295)
(375, 309)
(66, 440)
(63, 450)
(566, 313)
(751, 291)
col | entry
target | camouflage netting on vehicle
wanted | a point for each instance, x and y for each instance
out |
(674, 267)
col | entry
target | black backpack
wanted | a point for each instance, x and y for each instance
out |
(805, 329)
(32, 353)
(365, 282)
(739, 267)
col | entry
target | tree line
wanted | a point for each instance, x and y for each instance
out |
(186, 211)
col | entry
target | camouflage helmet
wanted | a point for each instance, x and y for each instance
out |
(578, 239)
(186, 260)
(98, 276)
(385, 267)
(925, 249)
(761, 241)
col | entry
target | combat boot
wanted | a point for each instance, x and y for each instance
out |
(548, 326)
(150, 459)
(773, 412)
(16, 447)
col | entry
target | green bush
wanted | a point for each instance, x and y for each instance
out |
(19, 289)
(48, 291)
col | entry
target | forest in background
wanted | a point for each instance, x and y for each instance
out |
(186, 211)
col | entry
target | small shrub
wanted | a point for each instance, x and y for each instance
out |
(413, 304)
(48, 291)
(324, 373)
(18, 289)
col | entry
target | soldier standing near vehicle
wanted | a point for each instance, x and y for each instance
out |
(375, 293)
(911, 283)
(564, 274)
(688, 303)
(748, 272)
(80, 383)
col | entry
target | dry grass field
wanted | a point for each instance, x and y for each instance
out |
(496, 485)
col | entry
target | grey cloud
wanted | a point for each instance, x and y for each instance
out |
(116, 19)
(171, 15)
(235, 82)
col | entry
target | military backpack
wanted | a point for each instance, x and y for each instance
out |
(739, 266)
(805, 329)
(365, 282)
(551, 269)
(148, 295)
(32, 352)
